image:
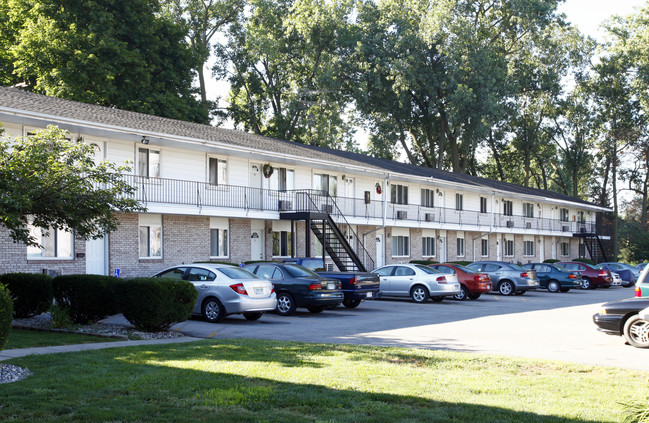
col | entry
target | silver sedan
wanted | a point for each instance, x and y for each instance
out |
(417, 282)
(224, 290)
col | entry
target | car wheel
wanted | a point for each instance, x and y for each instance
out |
(438, 299)
(212, 310)
(419, 294)
(252, 316)
(636, 332)
(506, 288)
(586, 284)
(351, 303)
(474, 296)
(285, 304)
(463, 294)
(315, 309)
(553, 286)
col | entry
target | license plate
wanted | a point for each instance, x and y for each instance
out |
(259, 291)
(331, 286)
(369, 295)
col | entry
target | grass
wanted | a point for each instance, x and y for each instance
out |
(22, 338)
(253, 381)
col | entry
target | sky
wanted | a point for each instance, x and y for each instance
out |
(587, 15)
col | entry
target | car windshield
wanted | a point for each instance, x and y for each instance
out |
(465, 269)
(299, 271)
(427, 269)
(236, 273)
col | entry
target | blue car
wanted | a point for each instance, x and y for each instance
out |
(628, 273)
(555, 278)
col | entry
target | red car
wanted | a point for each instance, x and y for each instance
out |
(591, 277)
(473, 283)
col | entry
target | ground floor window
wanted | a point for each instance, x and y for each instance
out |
(428, 246)
(528, 248)
(460, 247)
(484, 250)
(565, 249)
(282, 245)
(509, 248)
(55, 243)
(400, 246)
(582, 250)
(219, 237)
(150, 236)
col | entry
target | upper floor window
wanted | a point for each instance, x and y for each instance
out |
(398, 194)
(528, 209)
(148, 163)
(508, 208)
(459, 202)
(581, 217)
(325, 183)
(427, 197)
(563, 215)
(55, 243)
(483, 205)
(282, 179)
(218, 171)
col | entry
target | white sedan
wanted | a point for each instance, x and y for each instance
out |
(416, 281)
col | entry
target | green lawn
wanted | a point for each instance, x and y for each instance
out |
(251, 381)
(23, 338)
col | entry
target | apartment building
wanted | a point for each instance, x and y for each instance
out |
(225, 195)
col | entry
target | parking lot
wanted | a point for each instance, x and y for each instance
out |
(536, 325)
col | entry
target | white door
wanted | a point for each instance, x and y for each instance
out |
(255, 193)
(442, 249)
(256, 244)
(348, 206)
(380, 249)
(96, 256)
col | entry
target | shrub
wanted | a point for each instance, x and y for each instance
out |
(87, 298)
(154, 304)
(462, 262)
(6, 315)
(550, 261)
(422, 262)
(584, 260)
(31, 292)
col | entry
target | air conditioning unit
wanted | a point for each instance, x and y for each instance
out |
(327, 208)
(285, 205)
(528, 225)
(582, 230)
(430, 217)
(510, 223)
(402, 214)
(565, 228)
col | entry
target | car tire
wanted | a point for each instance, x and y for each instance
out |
(474, 296)
(463, 294)
(438, 299)
(506, 288)
(586, 284)
(212, 310)
(419, 294)
(636, 332)
(285, 304)
(315, 309)
(351, 303)
(554, 286)
(253, 316)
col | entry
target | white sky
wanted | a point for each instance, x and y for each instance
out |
(587, 15)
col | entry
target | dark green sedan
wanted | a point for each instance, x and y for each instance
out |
(555, 278)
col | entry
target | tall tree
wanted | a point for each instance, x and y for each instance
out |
(108, 52)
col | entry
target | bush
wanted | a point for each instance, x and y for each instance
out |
(424, 262)
(87, 298)
(584, 260)
(31, 292)
(154, 304)
(6, 315)
(462, 262)
(550, 261)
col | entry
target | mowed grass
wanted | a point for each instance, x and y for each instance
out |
(23, 338)
(257, 381)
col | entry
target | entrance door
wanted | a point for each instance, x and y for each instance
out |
(255, 193)
(257, 244)
(442, 249)
(96, 256)
(380, 249)
(348, 205)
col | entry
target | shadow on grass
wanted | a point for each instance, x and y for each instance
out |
(152, 384)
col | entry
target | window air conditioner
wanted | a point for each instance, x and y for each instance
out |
(510, 223)
(430, 217)
(402, 214)
(528, 225)
(327, 208)
(565, 228)
(285, 205)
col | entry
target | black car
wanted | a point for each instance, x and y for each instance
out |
(297, 286)
(621, 318)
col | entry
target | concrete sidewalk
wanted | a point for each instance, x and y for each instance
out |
(22, 352)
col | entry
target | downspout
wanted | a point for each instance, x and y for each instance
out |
(385, 212)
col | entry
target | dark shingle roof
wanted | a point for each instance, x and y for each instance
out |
(55, 108)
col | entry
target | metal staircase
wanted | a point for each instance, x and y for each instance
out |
(594, 245)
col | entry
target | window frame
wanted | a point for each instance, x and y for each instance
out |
(399, 194)
(508, 208)
(220, 170)
(148, 222)
(459, 201)
(428, 244)
(58, 238)
(147, 166)
(483, 205)
(400, 246)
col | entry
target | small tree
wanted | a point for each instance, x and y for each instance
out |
(51, 182)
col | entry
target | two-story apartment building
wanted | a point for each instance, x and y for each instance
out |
(226, 195)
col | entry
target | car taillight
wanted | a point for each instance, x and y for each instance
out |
(315, 286)
(574, 276)
(481, 278)
(638, 291)
(353, 280)
(524, 275)
(604, 273)
(441, 279)
(239, 289)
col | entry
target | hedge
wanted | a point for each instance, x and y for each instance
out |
(6, 315)
(31, 292)
(87, 298)
(155, 304)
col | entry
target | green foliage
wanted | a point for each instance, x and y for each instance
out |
(86, 298)
(584, 260)
(635, 412)
(53, 183)
(422, 262)
(155, 304)
(551, 261)
(462, 262)
(31, 292)
(6, 314)
(60, 317)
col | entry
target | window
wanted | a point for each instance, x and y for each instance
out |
(528, 209)
(55, 243)
(508, 208)
(581, 217)
(459, 202)
(483, 205)
(175, 273)
(565, 248)
(484, 250)
(427, 197)
(199, 275)
(509, 248)
(398, 194)
(460, 247)
(148, 163)
(268, 271)
(219, 237)
(283, 179)
(325, 183)
(528, 248)
(150, 236)
(563, 215)
(218, 171)
(428, 246)
(582, 250)
(400, 246)
(282, 245)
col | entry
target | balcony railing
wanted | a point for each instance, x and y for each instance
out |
(201, 194)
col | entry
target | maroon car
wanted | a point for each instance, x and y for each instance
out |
(473, 283)
(592, 277)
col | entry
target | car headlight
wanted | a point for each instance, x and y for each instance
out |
(602, 311)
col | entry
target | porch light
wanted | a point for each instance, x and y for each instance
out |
(145, 140)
